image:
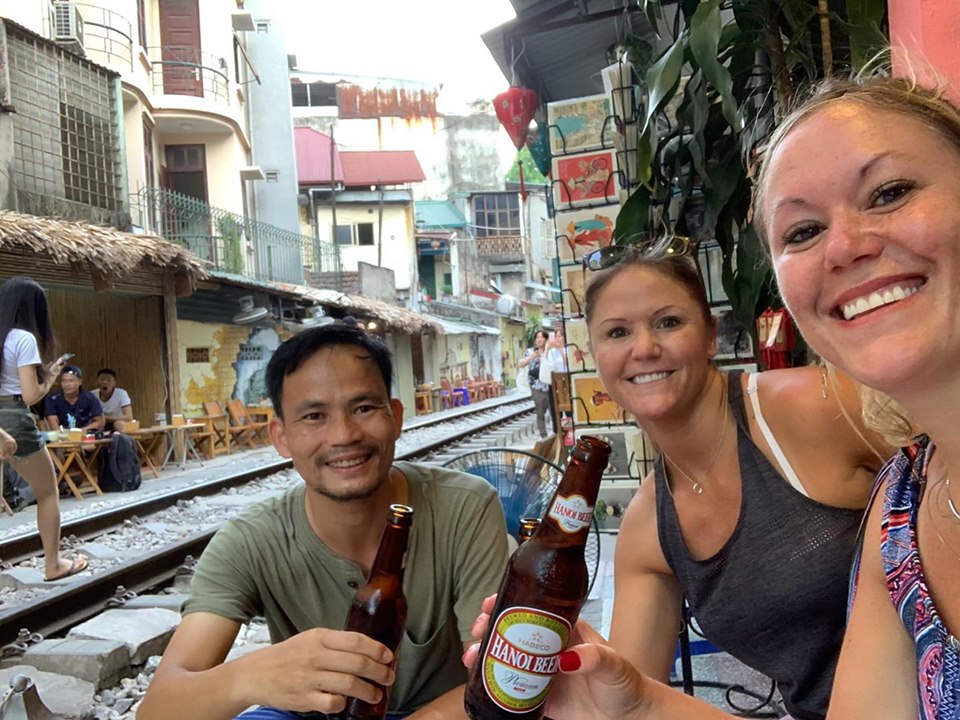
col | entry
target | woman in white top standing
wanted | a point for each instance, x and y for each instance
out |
(27, 372)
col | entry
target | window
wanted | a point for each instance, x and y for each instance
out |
(142, 23)
(148, 162)
(359, 234)
(315, 94)
(263, 26)
(271, 175)
(496, 214)
(198, 354)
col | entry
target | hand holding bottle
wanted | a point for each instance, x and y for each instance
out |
(594, 683)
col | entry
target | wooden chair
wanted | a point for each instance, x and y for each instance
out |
(237, 433)
(242, 416)
(448, 399)
(219, 424)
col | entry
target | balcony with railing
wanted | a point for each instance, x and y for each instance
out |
(181, 70)
(234, 244)
(501, 248)
(107, 37)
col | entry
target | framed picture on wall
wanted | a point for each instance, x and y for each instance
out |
(589, 178)
(580, 232)
(592, 405)
(580, 124)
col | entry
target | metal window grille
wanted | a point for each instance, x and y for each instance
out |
(66, 134)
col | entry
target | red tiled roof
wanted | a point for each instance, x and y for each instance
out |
(381, 167)
(313, 157)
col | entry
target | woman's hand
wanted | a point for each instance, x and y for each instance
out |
(594, 683)
(8, 446)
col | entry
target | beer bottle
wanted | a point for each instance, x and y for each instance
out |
(539, 600)
(379, 609)
(528, 528)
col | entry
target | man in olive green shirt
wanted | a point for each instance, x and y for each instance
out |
(298, 559)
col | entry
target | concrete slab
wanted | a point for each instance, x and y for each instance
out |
(167, 601)
(101, 551)
(100, 662)
(21, 578)
(146, 632)
(65, 696)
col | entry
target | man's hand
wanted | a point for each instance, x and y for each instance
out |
(318, 669)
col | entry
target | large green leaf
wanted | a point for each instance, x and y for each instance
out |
(663, 77)
(633, 216)
(864, 19)
(654, 13)
(705, 29)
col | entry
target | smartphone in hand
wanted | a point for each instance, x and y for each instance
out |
(63, 358)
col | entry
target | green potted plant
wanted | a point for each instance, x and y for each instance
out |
(727, 72)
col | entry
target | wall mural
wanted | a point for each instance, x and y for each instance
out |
(233, 366)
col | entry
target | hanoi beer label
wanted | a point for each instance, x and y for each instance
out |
(571, 513)
(521, 657)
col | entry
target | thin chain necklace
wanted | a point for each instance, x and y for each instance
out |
(697, 487)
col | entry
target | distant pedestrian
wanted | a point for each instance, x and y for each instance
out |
(539, 389)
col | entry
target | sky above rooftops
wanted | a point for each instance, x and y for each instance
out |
(430, 41)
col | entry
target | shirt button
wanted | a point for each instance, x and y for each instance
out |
(353, 583)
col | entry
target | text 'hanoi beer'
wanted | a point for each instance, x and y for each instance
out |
(539, 600)
(379, 609)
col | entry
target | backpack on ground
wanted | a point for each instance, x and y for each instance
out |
(120, 469)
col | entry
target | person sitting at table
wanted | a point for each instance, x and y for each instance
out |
(73, 407)
(117, 408)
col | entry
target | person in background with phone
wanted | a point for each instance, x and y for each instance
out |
(26, 374)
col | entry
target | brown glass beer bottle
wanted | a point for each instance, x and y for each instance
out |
(539, 600)
(528, 528)
(379, 609)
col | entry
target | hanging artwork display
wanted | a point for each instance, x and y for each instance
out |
(588, 178)
(592, 403)
(580, 232)
(580, 124)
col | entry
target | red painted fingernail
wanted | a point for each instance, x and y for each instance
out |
(569, 661)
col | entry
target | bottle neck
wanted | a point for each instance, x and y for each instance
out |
(392, 551)
(570, 512)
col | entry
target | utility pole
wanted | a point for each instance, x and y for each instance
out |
(380, 227)
(333, 198)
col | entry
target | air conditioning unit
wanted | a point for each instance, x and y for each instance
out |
(66, 26)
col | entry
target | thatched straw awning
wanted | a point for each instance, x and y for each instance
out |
(398, 318)
(109, 254)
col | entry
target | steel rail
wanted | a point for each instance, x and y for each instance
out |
(82, 598)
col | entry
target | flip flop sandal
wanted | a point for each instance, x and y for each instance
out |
(79, 564)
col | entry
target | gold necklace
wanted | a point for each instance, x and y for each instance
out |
(697, 487)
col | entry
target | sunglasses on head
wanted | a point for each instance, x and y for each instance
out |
(664, 247)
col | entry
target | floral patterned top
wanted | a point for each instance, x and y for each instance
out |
(902, 482)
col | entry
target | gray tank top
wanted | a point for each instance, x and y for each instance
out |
(775, 594)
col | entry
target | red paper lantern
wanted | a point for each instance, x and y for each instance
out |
(515, 109)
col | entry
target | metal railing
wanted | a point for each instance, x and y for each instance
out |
(107, 37)
(232, 243)
(180, 70)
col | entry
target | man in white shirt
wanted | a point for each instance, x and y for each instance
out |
(116, 402)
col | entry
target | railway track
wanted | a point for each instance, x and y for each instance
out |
(66, 605)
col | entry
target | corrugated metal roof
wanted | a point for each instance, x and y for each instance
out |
(462, 327)
(434, 214)
(313, 157)
(537, 46)
(381, 167)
